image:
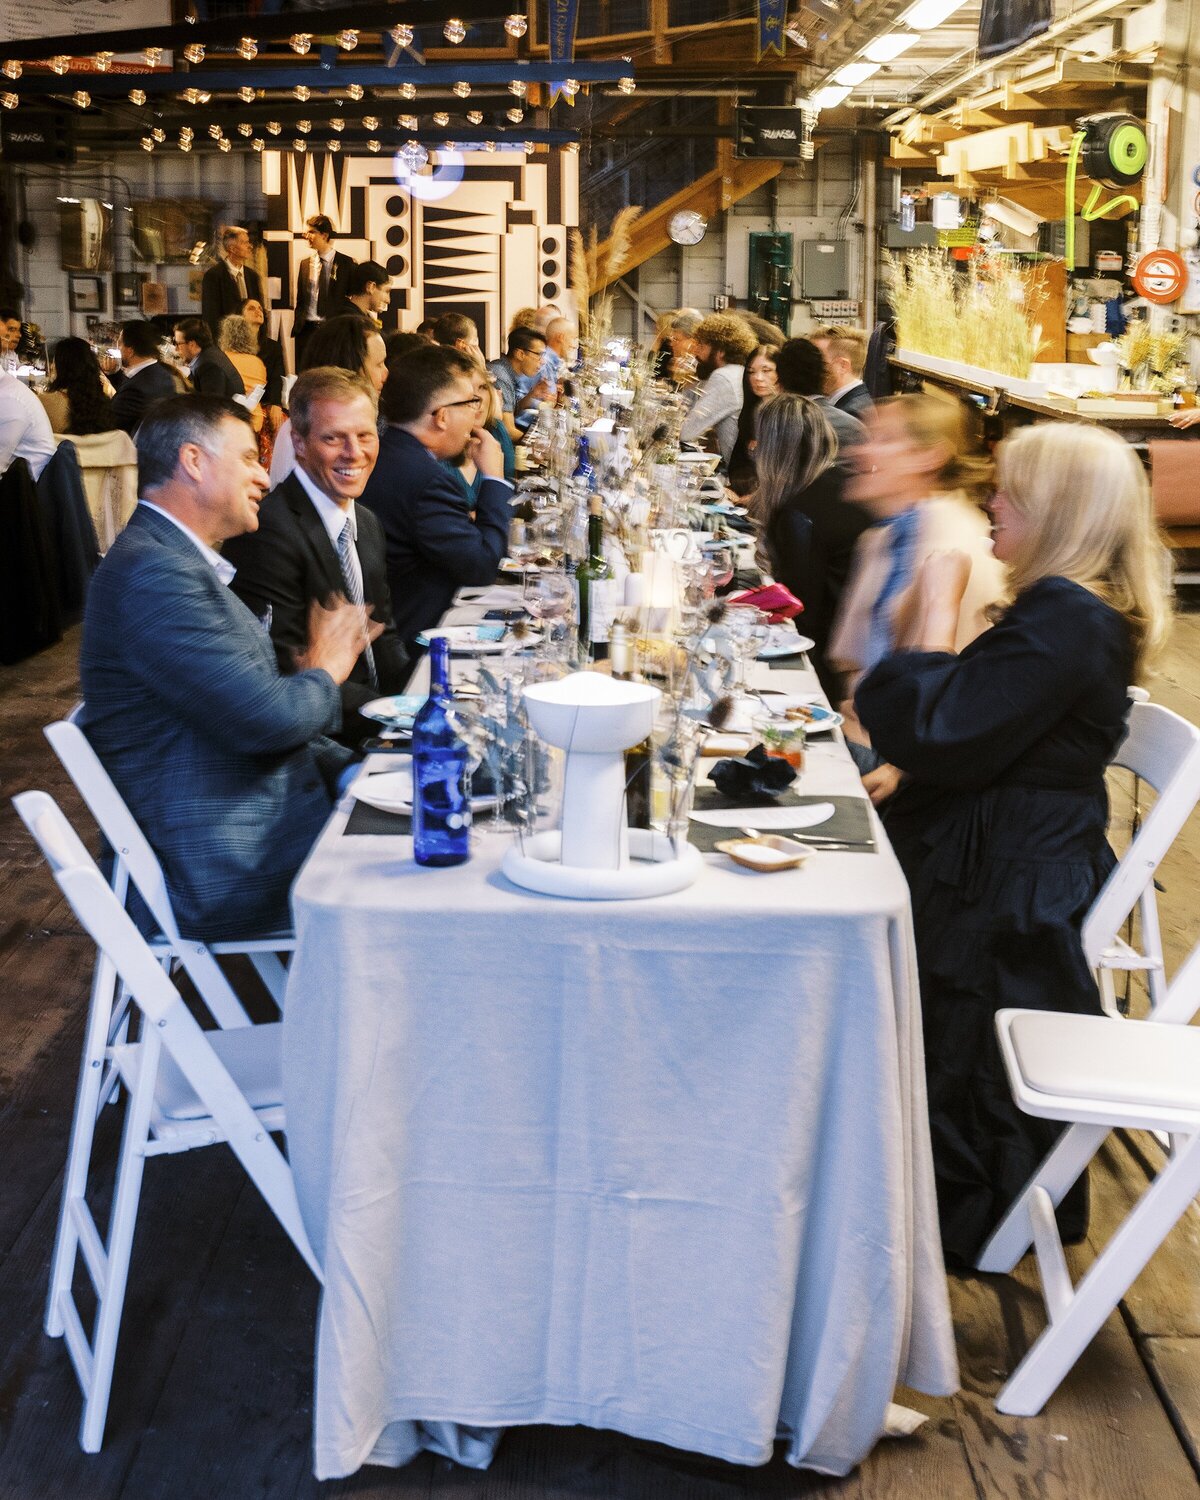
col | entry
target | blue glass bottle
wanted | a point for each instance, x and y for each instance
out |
(585, 473)
(441, 796)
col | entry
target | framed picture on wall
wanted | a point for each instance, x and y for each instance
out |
(86, 294)
(127, 287)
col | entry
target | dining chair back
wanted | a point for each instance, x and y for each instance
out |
(186, 1088)
(1163, 750)
(1096, 1074)
(108, 461)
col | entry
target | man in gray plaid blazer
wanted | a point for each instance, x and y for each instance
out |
(223, 761)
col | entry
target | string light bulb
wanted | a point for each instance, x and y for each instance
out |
(572, 147)
(626, 85)
(402, 36)
(347, 40)
(273, 127)
(8, 101)
(474, 117)
(246, 94)
(570, 87)
(441, 119)
(303, 126)
(529, 148)
(152, 55)
(462, 89)
(186, 132)
(518, 87)
(371, 122)
(373, 145)
(405, 122)
(300, 43)
(245, 128)
(102, 61)
(12, 69)
(337, 123)
(247, 48)
(224, 143)
(516, 116)
(454, 31)
(137, 96)
(302, 92)
(194, 52)
(82, 98)
(158, 135)
(334, 146)
(355, 91)
(408, 91)
(489, 145)
(258, 143)
(516, 25)
(215, 131)
(413, 155)
(300, 146)
(59, 64)
(185, 144)
(147, 143)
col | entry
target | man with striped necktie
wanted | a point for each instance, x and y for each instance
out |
(313, 542)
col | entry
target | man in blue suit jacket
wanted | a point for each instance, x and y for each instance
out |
(222, 760)
(434, 543)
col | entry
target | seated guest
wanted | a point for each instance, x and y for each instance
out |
(425, 328)
(75, 399)
(917, 477)
(800, 369)
(239, 344)
(723, 345)
(24, 427)
(456, 331)
(758, 383)
(397, 343)
(208, 368)
(807, 526)
(434, 544)
(368, 294)
(676, 345)
(1000, 822)
(344, 343)
(520, 365)
(142, 379)
(223, 760)
(562, 345)
(844, 351)
(313, 542)
(490, 415)
(763, 329)
(10, 338)
(270, 351)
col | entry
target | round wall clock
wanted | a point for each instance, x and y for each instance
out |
(687, 227)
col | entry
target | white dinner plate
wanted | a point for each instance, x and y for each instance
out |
(823, 719)
(465, 641)
(806, 816)
(399, 710)
(392, 791)
(791, 645)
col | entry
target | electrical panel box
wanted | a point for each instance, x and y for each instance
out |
(825, 269)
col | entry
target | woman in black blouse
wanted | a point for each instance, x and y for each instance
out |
(999, 820)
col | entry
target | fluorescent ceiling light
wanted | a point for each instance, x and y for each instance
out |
(926, 14)
(884, 48)
(854, 73)
(828, 97)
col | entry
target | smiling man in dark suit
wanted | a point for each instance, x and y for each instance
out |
(313, 542)
(434, 543)
(143, 379)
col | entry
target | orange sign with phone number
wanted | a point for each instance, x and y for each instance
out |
(1160, 276)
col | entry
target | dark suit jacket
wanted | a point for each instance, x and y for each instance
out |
(270, 351)
(433, 545)
(339, 285)
(290, 561)
(133, 397)
(213, 374)
(220, 758)
(219, 295)
(848, 430)
(856, 402)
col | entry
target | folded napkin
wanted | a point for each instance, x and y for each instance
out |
(753, 777)
(773, 599)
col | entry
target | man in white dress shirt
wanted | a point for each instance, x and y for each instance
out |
(24, 427)
(723, 345)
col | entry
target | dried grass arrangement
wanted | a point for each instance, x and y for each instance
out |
(593, 269)
(1149, 357)
(987, 318)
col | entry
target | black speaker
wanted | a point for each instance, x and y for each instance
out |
(45, 136)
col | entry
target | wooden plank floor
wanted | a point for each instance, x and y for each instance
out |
(213, 1382)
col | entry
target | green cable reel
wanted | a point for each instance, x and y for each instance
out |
(1112, 150)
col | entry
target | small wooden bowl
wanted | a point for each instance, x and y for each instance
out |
(743, 852)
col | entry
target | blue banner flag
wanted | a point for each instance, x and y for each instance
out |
(564, 17)
(771, 16)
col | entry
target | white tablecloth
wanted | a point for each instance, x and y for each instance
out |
(658, 1166)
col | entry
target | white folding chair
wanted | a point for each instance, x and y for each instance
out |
(1097, 1074)
(1163, 750)
(187, 1088)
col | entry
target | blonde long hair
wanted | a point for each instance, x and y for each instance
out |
(1084, 493)
(935, 422)
(796, 444)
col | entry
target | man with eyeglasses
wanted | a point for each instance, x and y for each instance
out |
(435, 543)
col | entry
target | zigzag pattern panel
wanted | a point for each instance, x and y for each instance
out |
(495, 242)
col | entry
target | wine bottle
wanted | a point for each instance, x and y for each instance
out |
(639, 758)
(441, 795)
(585, 472)
(596, 587)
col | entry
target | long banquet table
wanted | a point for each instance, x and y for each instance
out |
(657, 1166)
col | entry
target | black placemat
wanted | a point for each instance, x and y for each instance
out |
(366, 819)
(851, 819)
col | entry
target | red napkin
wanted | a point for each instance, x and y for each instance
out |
(776, 600)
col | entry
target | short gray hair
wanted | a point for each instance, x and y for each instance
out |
(230, 233)
(324, 383)
(174, 421)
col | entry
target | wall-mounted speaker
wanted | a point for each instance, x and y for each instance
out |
(45, 136)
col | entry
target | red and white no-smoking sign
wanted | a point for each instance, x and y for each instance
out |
(1160, 275)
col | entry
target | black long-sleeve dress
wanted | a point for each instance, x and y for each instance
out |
(1001, 833)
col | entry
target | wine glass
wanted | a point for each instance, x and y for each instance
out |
(549, 596)
(720, 560)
